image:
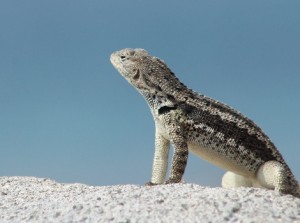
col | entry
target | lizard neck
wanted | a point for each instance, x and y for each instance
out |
(158, 102)
(165, 89)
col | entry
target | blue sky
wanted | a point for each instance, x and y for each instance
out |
(66, 114)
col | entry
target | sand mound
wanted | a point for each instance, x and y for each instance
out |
(30, 199)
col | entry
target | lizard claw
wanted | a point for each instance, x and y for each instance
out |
(150, 184)
(172, 181)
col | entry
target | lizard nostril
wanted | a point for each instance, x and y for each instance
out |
(122, 57)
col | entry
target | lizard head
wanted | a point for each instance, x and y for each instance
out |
(143, 71)
(129, 63)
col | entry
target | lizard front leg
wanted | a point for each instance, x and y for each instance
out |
(160, 161)
(180, 157)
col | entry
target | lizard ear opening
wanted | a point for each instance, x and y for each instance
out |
(137, 75)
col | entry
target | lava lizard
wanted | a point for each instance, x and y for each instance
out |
(206, 127)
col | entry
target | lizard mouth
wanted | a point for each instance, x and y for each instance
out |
(114, 59)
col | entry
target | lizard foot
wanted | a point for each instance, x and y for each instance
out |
(172, 181)
(150, 184)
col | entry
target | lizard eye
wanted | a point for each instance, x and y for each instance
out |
(123, 58)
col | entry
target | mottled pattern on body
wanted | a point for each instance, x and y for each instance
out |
(210, 129)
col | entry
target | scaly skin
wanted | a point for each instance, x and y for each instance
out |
(204, 126)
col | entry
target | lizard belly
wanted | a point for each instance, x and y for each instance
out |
(219, 159)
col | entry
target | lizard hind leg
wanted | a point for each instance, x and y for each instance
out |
(232, 180)
(273, 175)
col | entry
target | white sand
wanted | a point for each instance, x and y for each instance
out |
(29, 199)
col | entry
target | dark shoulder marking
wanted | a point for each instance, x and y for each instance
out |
(166, 109)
